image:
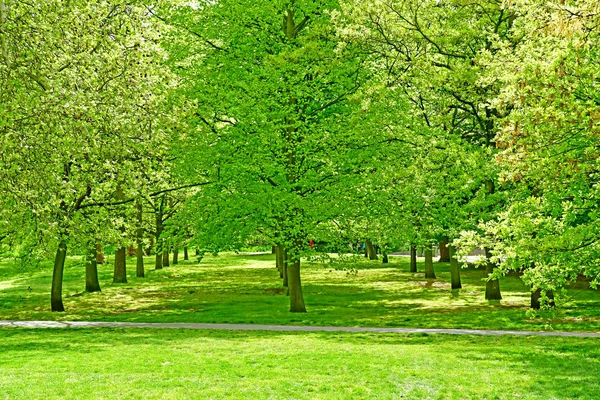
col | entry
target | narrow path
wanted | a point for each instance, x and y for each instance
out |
(282, 328)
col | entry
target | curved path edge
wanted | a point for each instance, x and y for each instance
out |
(284, 328)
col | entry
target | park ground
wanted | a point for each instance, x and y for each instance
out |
(173, 363)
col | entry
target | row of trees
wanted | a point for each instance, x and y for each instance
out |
(400, 124)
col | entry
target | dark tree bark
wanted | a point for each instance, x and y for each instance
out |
(273, 249)
(57, 277)
(158, 257)
(444, 251)
(279, 259)
(295, 287)
(159, 207)
(454, 269)
(176, 254)
(413, 258)
(371, 250)
(99, 253)
(120, 273)
(284, 266)
(429, 271)
(492, 287)
(165, 261)
(385, 259)
(186, 256)
(536, 296)
(92, 284)
(139, 268)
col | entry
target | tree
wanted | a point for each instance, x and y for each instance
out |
(79, 112)
(549, 146)
(272, 100)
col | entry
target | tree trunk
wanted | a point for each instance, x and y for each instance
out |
(413, 258)
(165, 261)
(371, 250)
(420, 252)
(429, 272)
(56, 302)
(295, 287)
(99, 253)
(120, 274)
(186, 256)
(284, 266)
(444, 251)
(139, 268)
(385, 259)
(536, 296)
(176, 254)
(492, 287)
(454, 269)
(279, 259)
(273, 249)
(158, 257)
(92, 284)
(158, 221)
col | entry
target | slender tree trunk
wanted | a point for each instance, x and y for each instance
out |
(176, 254)
(454, 269)
(429, 272)
(158, 257)
(413, 258)
(295, 287)
(420, 252)
(56, 302)
(92, 284)
(366, 251)
(158, 221)
(444, 251)
(186, 256)
(284, 266)
(99, 253)
(166, 249)
(139, 268)
(385, 259)
(120, 273)
(492, 287)
(273, 249)
(279, 259)
(371, 250)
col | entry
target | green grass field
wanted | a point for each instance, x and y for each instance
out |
(179, 364)
(173, 363)
(246, 289)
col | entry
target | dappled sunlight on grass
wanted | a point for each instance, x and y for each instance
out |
(247, 289)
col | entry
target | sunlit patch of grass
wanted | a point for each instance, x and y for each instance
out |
(247, 289)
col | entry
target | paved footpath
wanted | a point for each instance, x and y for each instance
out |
(282, 328)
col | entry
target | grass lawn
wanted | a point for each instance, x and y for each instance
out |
(169, 364)
(246, 289)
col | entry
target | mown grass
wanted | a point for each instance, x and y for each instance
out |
(178, 364)
(246, 289)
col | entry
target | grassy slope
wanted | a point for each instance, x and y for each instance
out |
(246, 289)
(142, 364)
